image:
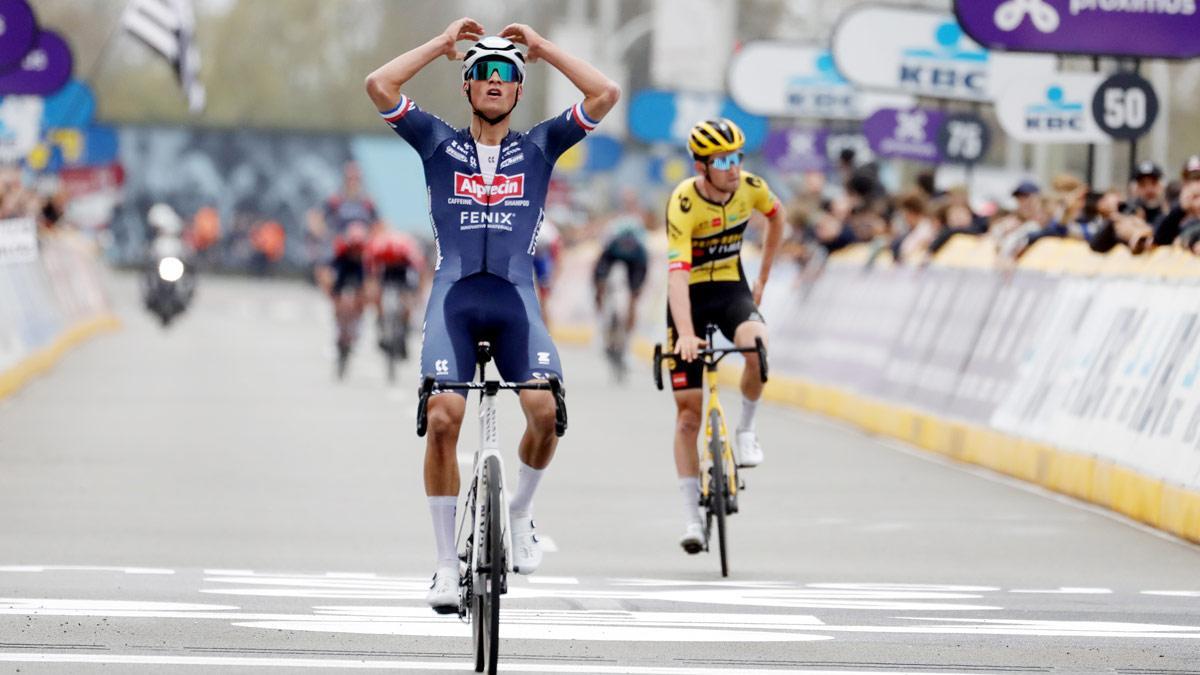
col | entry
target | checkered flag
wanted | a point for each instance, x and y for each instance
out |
(169, 28)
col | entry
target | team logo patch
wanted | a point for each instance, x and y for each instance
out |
(543, 358)
(502, 187)
(685, 204)
(442, 366)
(679, 379)
(753, 181)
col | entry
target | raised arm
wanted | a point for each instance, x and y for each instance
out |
(600, 94)
(383, 85)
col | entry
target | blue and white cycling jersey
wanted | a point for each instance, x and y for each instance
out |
(486, 236)
(480, 227)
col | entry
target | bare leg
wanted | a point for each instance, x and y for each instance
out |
(441, 457)
(752, 384)
(687, 429)
(539, 442)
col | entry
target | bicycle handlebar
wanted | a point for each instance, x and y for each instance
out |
(712, 356)
(430, 386)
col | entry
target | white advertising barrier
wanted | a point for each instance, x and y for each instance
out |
(47, 300)
(786, 79)
(1054, 108)
(924, 52)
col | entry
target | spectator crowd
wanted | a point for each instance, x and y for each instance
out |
(1153, 211)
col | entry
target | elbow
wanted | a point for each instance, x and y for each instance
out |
(611, 93)
(380, 89)
(373, 84)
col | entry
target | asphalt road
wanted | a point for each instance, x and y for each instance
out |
(209, 498)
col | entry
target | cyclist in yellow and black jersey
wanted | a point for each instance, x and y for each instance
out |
(706, 221)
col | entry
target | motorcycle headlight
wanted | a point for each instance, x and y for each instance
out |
(170, 269)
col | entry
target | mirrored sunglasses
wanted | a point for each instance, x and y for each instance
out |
(727, 162)
(483, 71)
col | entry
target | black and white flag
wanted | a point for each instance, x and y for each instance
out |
(168, 27)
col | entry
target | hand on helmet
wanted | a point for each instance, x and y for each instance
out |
(524, 35)
(465, 28)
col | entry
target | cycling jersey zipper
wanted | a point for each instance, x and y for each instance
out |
(487, 191)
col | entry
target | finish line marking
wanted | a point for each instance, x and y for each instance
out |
(347, 664)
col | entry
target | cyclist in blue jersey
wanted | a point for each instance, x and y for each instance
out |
(487, 188)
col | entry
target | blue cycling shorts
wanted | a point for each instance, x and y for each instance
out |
(486, 307)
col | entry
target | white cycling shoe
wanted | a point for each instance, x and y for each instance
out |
(526, 551)
(692, 540)
(443, 593)
(749, 452)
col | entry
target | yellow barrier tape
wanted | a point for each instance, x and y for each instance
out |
(42, 360)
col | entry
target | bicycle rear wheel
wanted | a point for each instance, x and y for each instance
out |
(490, 575)
(718, 487)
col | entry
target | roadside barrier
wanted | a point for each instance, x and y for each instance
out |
(51, 298)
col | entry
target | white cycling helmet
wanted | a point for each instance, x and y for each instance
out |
(164, 219)
(494, 47)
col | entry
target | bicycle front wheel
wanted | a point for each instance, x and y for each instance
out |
(718, 487)
(490, 575)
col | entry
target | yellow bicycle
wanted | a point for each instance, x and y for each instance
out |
(719, 481)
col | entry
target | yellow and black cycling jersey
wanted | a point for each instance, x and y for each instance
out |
(706, 237)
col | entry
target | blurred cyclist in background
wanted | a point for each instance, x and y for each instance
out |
(624, 243)
(394, 263)
(348, 216)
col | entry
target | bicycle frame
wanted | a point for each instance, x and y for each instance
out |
(714, 403)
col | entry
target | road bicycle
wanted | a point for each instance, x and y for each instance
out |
(613, 312)
(484, 537)
(720, 484)
(395, 301)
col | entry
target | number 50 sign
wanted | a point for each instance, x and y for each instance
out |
(1125, 106)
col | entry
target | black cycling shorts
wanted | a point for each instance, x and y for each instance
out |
(632, 255)
(401, 276)
(725, 304)
(348, 272)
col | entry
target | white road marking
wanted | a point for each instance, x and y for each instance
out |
(566, 625)
(84, 568)
(346, 664)
(1177, 594)
(566, 581)
(1064, 590)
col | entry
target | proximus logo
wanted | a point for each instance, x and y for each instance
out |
(1011, 13)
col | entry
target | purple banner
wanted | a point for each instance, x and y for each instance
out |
(1162, 29)
(45, 69)
(17, 32)
(906, 134)
(797, 150)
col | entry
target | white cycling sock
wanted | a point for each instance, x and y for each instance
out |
(689, 490)
(521, 504)
(442, 509)
(748, 409)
